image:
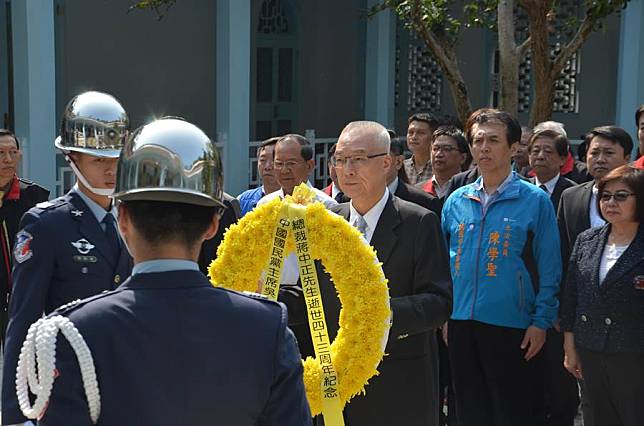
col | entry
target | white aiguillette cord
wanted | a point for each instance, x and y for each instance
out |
(37, 363)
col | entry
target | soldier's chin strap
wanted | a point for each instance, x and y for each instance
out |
(105, 192)
(37, 366)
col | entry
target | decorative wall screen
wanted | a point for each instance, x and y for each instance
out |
(419, 79)
(272, 19)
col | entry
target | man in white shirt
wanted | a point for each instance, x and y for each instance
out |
(293, 164)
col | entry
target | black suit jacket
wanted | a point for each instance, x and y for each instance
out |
(573, 215)
(460, 179)
(231, 215)
(410, 246)
(410, 193)
(606, 317)
(562, 184)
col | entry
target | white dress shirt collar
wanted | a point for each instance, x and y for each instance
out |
(371, 217)
(595, 219)
(334, 190)
(550, 185)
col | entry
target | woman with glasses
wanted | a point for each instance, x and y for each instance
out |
(602, 312)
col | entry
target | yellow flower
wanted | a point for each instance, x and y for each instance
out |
(354, 268)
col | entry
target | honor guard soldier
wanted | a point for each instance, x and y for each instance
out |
(69, 248)
(167, 348)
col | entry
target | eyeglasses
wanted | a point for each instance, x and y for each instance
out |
(619, 196)
(357, 160)
(444, 148)
(279, 165)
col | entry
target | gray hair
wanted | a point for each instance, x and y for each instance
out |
(555, 126)
(377, 130)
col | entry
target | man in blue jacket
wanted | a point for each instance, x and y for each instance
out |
(506, 266)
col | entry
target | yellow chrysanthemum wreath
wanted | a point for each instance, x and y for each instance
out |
(361, 285)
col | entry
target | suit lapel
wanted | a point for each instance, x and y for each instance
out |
(91, 229)
(556, 193)
(596, 252)
(628, 260)
(384, 238)
(584, 200)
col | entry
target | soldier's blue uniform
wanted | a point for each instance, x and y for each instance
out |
(62, 253)
(171, 349)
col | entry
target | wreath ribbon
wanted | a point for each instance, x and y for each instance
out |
(293, 216)
(255, 248)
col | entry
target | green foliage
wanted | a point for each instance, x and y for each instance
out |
(159, 7)
(481, 14)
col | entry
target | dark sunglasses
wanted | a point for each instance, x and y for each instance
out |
(619, 196)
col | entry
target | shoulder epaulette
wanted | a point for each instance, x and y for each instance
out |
(56, 202)
(75, 304)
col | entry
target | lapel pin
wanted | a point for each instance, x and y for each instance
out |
(77, 213)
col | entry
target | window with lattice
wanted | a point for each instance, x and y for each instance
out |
(421, 90)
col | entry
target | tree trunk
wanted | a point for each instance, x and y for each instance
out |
(508, 59)
(460, 94)
(544, 79)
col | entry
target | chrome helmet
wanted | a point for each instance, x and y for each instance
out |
(93, 123)
(170, 160)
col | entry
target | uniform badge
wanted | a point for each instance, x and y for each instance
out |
(77, 213)
(83, 246)
(638, 282)
(22, 250)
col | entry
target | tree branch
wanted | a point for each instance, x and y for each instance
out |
(523, 48)
(575, 44)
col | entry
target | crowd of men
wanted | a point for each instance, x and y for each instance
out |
(474, 232)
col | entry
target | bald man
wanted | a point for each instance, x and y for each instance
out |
(410, 246)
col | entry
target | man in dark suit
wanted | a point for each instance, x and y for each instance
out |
(230, 216)
(609, 147)
(548, 151)
(409, 244)
(398, 183)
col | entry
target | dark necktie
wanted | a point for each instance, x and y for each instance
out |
(112, 236)
(339, 197)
